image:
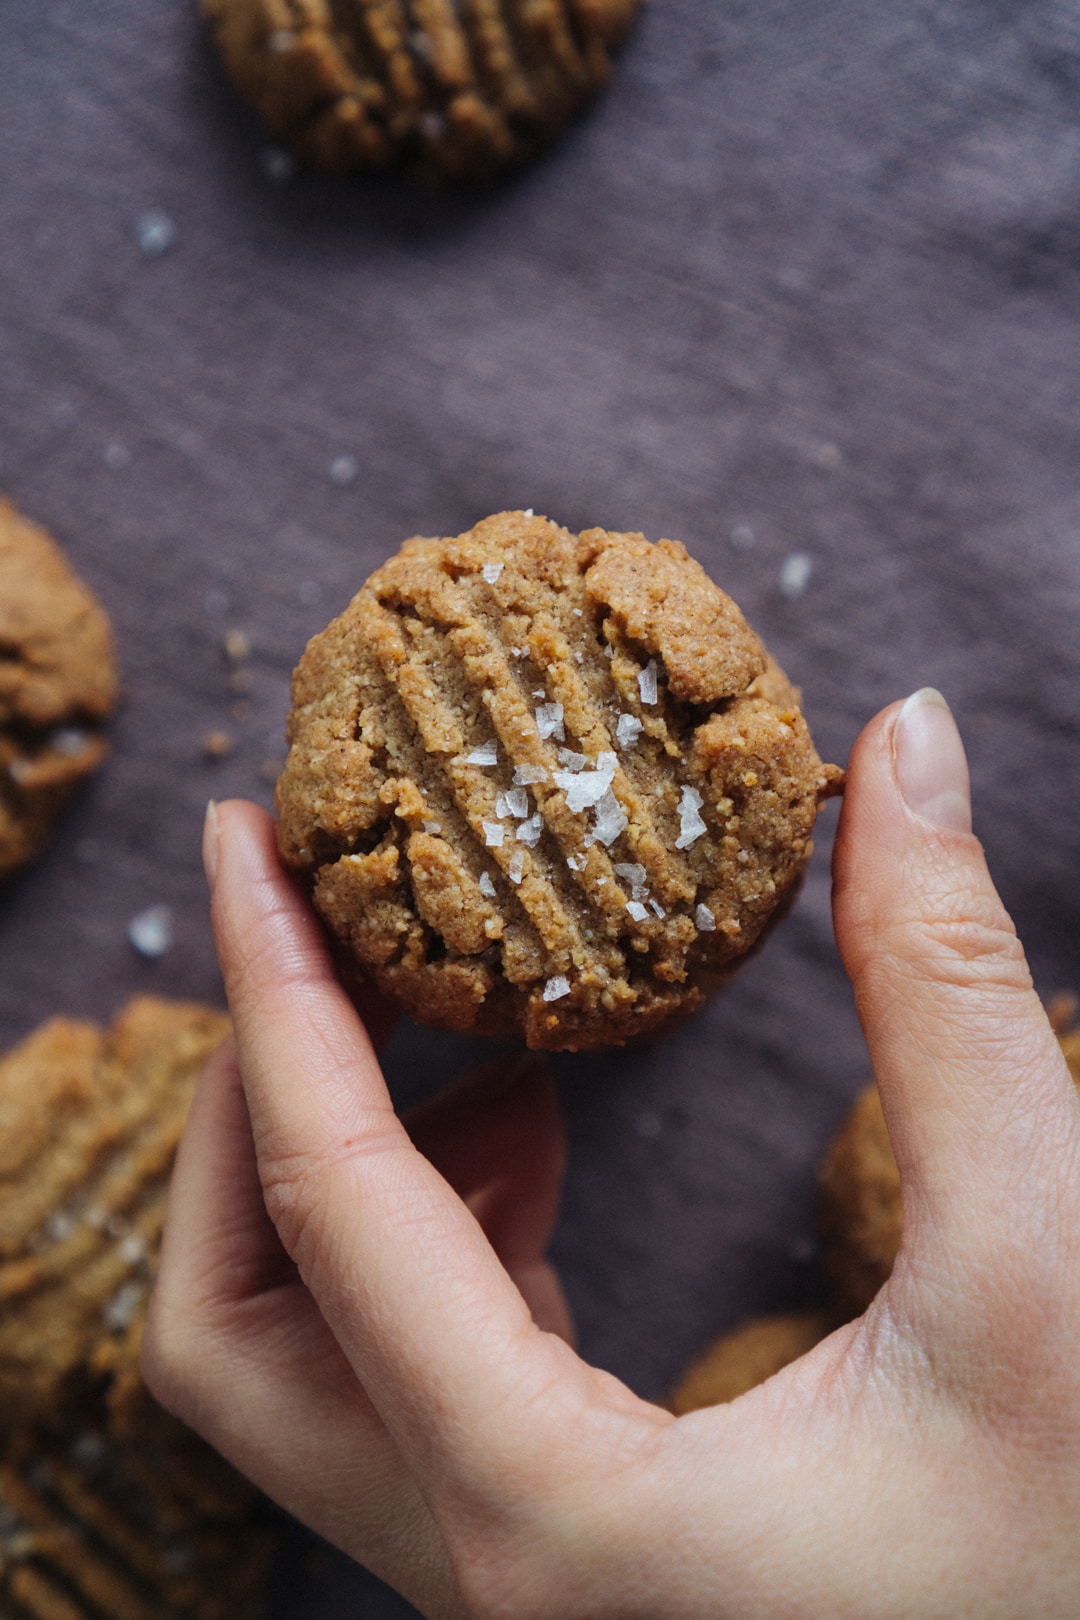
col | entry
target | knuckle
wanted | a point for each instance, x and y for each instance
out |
(298, 1183)
(963, 943)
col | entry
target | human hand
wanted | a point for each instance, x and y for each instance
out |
(332, 1316)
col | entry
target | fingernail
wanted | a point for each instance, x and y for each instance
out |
(930, 763)
(210, 843)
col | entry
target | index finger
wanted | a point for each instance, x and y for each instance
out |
(435, 1330)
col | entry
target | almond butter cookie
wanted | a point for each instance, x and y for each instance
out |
(110, 1509)
(547, 782)
(456, 90)
(90, 1120)
(57, 685)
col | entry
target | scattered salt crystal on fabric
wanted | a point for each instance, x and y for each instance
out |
(529, 831)
(691, 825)
(658, 908)
(742, 537)
(611, 820)
(556, 987)
(491, 572)
(486, 885)
(704, 921)
(573, 761)
(647, 682)
(151, 932)
(636, 910)
(117, 456)
(628, 730)
(516, 867)
(795, 576)
(493, 834)
(486, 754)
(528, 775)
(344, 470)
(549, 721)
(155, 232)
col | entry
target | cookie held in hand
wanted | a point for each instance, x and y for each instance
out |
(457, 91)
(546, 782)
(57, 685)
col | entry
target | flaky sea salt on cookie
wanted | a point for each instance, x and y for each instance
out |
(546, 781)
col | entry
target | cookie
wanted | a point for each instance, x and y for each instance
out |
(157, 1529)
(110, 1509)
(456, 90)
(748, 1356)
(57, 685)
(861, 1213)
(89, 1125)
(546, 782)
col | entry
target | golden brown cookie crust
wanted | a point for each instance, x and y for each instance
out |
(747, 1356)
(89, 1125)
(458, 90)
(546, 781)
(57, 685)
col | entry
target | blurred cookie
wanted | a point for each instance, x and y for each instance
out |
(57, 684)
(546, 781)
(89, 1125)
(155, 1529)
(747, 1357)
(457, 91)
(862, 1220)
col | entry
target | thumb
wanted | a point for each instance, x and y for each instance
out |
(976, 1093)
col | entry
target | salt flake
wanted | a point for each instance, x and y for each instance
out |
(529, 831)
(611, 820)
(632, 872)
(584, 789)
(636, 910)
(491, 572)
(151, 932)
(528, 775)
(795, 575)
(556, 987)
(549, 721)
(658, 908)
(486, 754)
(691, 825)
(493, 834)
(647, 682)
(628, 730)
(517, 866)
(573, 761)
(486, 885)
(704, 921)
